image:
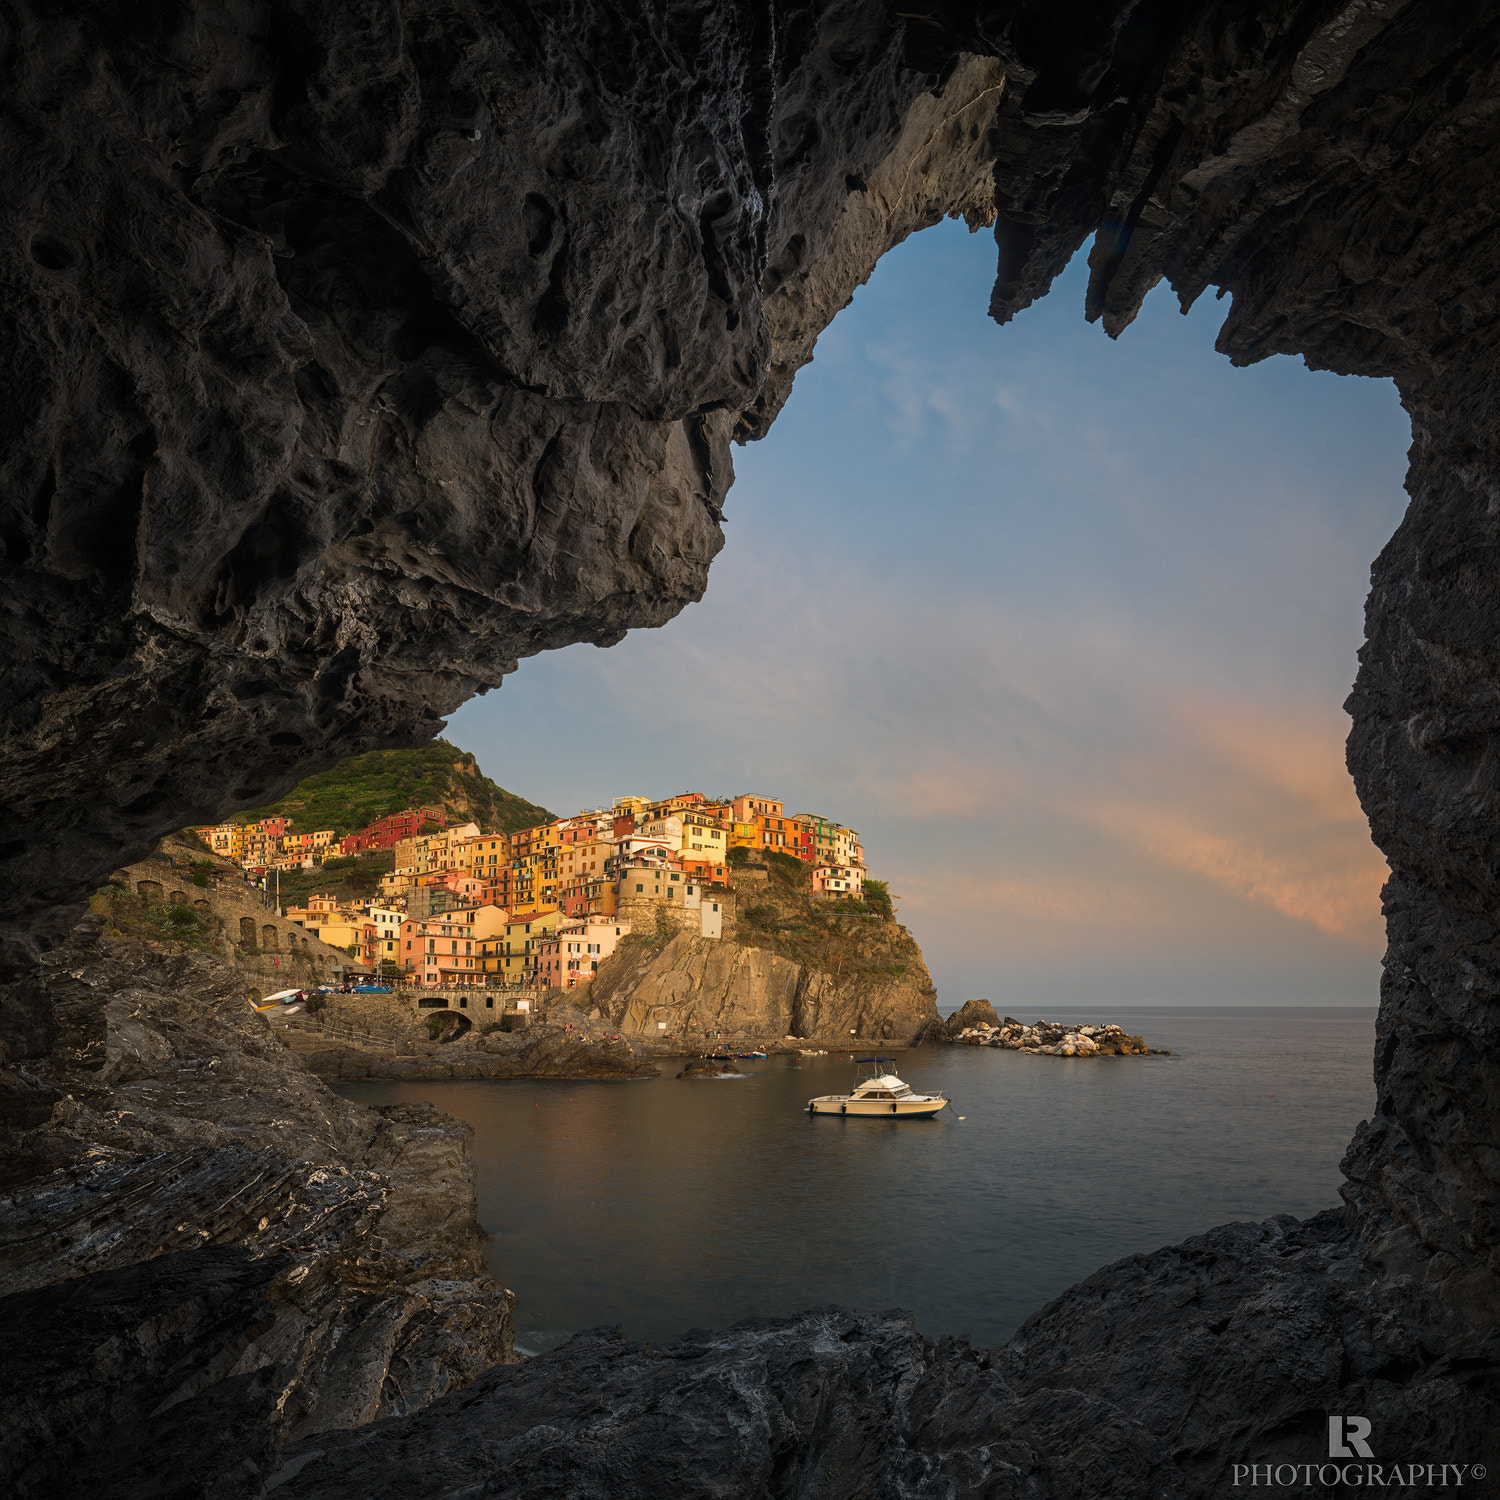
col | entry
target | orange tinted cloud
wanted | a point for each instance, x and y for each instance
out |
(1257, 801)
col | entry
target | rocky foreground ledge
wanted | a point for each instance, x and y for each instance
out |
(1152, 1378)
(204, 1252)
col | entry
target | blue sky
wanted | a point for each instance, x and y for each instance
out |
(1062, 625)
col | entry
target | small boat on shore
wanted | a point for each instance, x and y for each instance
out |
(879, 1093)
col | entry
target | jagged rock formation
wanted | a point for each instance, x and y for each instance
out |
(971, 1013)
(840, 1405)
(218, 1235)
(690, 987)
(1086, 1400)
(355, 354)
(359, 358)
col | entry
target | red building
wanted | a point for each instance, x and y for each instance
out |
(387, 832)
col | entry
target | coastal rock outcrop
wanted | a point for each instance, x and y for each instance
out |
(1056, 1039)
(1152, 1378)
(827, 1403)
(561, 1044)
(219, 1234)
(689, 990)
(971, 1014)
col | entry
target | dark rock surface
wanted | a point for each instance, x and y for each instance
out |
(1268, 1326)
(360, 352)
(708, 1067)
(200, 1225)
(829, 1403)
(970, 1013)
(560, 1045)
(352, 353)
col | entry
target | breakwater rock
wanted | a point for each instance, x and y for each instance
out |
(1055, 1039)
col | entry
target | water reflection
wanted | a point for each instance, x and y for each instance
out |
(667, 1204)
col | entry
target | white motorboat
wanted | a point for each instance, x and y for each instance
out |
(879, 1093)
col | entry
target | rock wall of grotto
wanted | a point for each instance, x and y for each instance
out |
(353, 351)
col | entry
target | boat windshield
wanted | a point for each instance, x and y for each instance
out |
(886, 1083)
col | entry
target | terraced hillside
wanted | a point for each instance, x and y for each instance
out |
(365, 787)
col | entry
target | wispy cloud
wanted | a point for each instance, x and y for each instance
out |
(1061, 625)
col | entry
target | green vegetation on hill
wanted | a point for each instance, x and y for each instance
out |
(845, 939)
(358, 791)
(345, 879)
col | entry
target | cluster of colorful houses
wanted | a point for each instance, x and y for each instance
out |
(544, 906)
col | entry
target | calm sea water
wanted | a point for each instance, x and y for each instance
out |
(664, 1205)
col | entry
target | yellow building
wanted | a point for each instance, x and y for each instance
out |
(343, 933)
(488, 855)
(512, 954)
(703, 837)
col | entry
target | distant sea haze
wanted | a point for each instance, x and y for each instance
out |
(669, 1204)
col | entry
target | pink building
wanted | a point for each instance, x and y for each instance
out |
(442, 950)
(843, 882)
(570, 955)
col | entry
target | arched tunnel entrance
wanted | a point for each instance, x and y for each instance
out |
(441, 430)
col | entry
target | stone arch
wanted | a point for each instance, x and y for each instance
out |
(200, 904)
(148, 890)
(270, 939)
(456, 1025)
(178, 898)
(247, 932)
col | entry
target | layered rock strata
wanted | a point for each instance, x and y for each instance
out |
(225, 1254)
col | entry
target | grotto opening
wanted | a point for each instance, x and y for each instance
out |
(354, 351)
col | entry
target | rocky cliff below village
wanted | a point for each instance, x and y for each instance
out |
(367, 1036)
(794, 968)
